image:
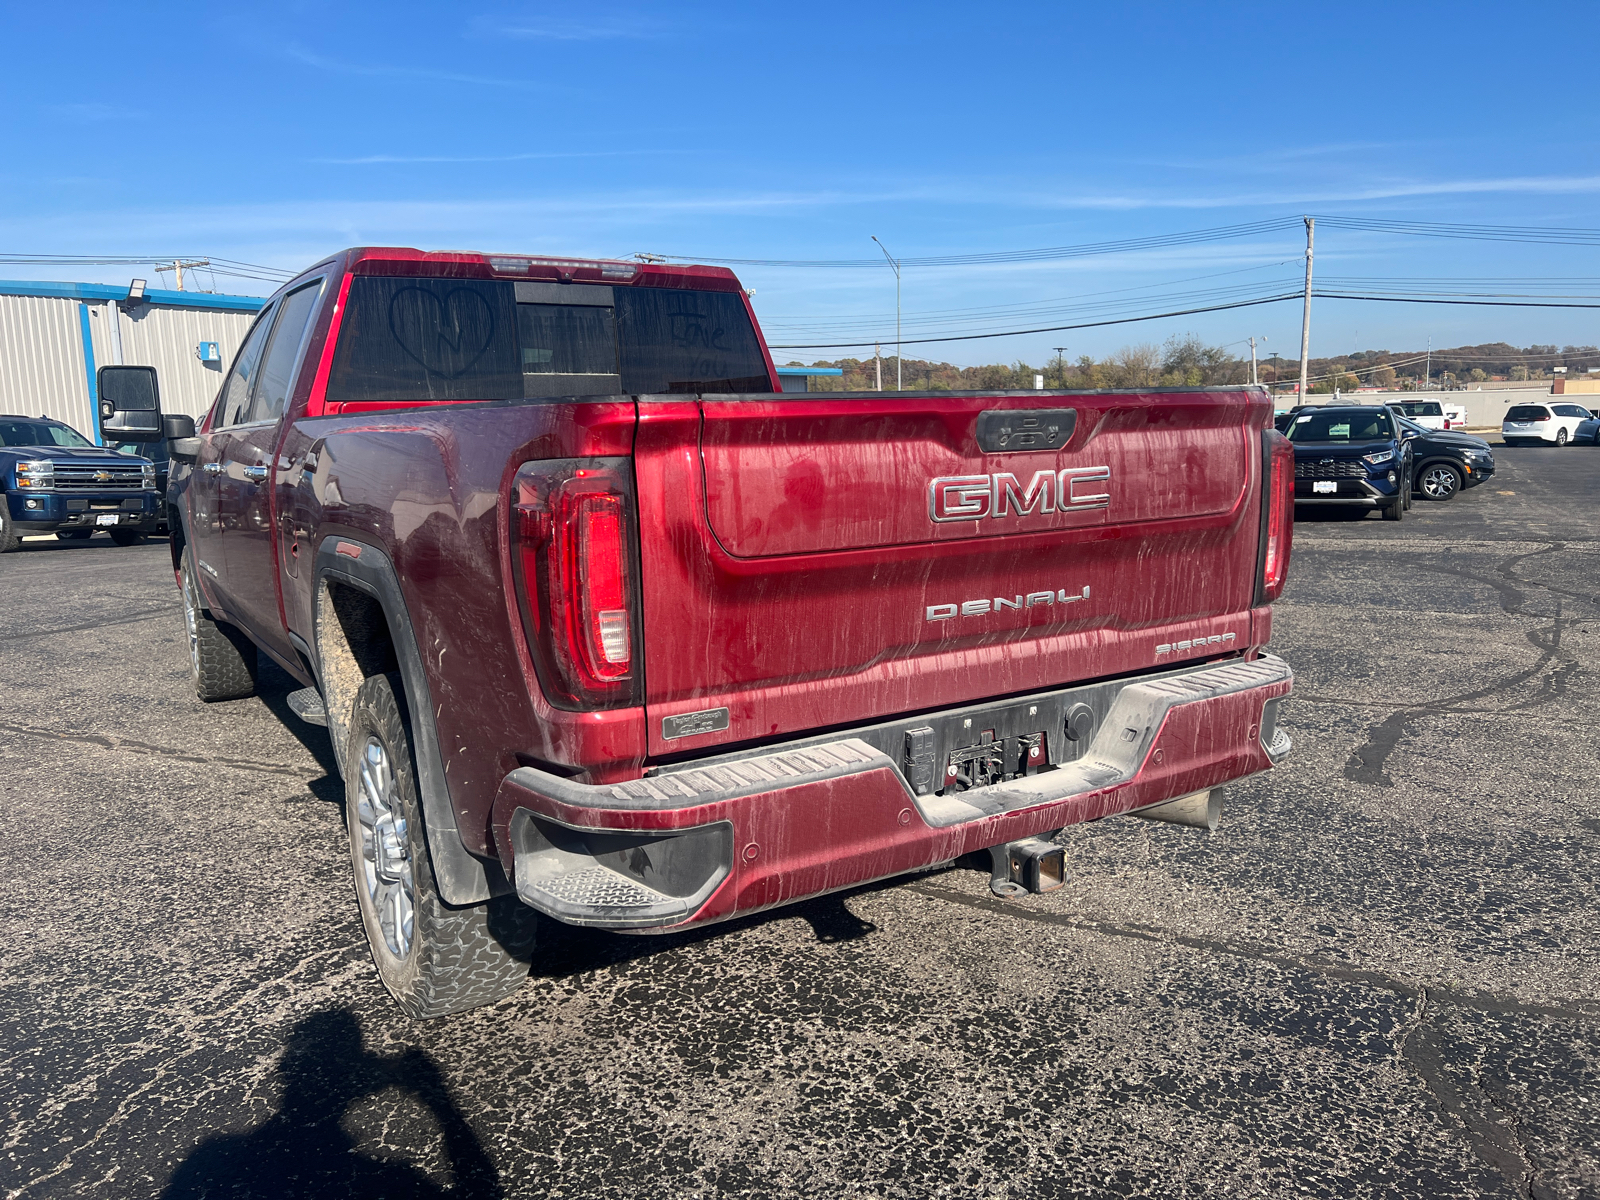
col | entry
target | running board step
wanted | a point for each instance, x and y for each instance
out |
(307, 705)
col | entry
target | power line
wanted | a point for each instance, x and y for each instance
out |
(1548, 235)
(971, 337)
(1043, 254)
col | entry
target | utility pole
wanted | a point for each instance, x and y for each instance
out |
(178, 264)
(1305, 321)
(1427, 370)
(893, 262)
(877, 363)
(1061, 365)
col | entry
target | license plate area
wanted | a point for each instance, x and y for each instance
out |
(994, 760)
(1326, 487)
(107, 519)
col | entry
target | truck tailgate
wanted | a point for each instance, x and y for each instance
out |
(809, 563)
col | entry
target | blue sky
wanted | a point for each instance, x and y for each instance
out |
(274, 134)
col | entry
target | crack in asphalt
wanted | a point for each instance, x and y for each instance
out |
(113, 742)
(130, 619)
(1367, 762)
(1492, 1126)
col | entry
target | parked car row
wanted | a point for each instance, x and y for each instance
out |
(1372, 456)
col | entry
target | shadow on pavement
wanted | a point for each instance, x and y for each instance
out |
(303, 1149)
(273, 685)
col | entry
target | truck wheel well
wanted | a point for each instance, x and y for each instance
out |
(353, 644)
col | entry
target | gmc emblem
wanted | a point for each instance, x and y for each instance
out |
(973, 497)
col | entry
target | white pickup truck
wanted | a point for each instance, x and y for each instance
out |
(1432, 414)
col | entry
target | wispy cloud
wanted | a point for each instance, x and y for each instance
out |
(386, 71)
(1264, 198)
(560, 29)
(93, 113)
(384, 159)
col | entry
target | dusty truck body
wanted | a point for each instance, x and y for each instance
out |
(602, 626)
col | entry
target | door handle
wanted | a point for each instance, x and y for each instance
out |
(212, 468)
(255, 474)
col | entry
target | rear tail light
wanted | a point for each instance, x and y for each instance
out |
(1278, 519)
(577, 578)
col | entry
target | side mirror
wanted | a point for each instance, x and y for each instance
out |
(182, 444)
(130, 404)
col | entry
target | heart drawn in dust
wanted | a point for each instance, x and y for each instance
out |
(446, 334)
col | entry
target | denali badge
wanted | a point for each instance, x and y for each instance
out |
(976, 608)
(971, 497)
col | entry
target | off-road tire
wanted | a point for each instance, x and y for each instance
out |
(222, 660)
(1395, 511)
(457, 958)
(74, 535)
(126, 537)
(8, 531)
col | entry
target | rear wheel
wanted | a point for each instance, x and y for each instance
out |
(126, 537)
(1440, 481)
(73, 535)
(433, 958)
(1561, 437)
(222, 660)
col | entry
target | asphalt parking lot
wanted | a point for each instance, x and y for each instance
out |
(1380, 977)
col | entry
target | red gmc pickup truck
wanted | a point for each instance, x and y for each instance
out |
(603, 625)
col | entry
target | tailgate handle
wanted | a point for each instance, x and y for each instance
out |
(1020, 430)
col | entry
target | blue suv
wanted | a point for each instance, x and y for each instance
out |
(1351, 455)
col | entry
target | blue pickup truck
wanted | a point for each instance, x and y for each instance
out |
(58, 481)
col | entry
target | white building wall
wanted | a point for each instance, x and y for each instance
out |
(42, 371)
(41, 361)
(165, 338)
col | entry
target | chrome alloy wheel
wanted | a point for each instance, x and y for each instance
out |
(1439, 483)
(191, 621)
(385, 851)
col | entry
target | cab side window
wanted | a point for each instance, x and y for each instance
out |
(234, 402)
(277, 368)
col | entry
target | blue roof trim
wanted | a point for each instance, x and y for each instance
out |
(784, 370)
(112, 291)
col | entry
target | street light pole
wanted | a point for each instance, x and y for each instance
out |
(1061, 365)
(893, 262)
(1305, 321)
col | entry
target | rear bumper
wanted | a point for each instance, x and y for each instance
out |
(696, 844)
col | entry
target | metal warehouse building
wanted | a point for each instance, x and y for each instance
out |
(53, 336)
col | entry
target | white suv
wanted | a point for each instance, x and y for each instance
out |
(1542, 423)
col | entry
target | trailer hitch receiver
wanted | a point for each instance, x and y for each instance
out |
(1031, 865)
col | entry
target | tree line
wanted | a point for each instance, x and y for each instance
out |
(1188, 361)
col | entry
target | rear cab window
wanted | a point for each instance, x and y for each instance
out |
(430, 340)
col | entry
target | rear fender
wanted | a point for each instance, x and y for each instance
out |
(461, 876)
